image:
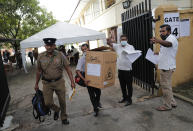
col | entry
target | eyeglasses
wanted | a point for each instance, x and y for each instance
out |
(162, 31)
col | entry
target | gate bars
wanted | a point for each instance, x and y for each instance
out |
(137, 25)
(4, 93)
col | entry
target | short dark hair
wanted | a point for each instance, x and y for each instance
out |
(168, 27)
(72, 46)
(85, 45)
(123, 35)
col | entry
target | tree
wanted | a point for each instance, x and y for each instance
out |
(20, 19)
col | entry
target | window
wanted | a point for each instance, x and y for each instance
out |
(88, 15)
(96, 8)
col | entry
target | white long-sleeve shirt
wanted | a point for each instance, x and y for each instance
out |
(122, 61)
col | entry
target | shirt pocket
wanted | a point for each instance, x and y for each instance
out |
(57, 63)
(43, 64)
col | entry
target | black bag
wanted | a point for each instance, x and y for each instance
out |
(80, 81)
(39, 108)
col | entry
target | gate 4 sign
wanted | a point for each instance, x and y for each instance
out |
(173, 20)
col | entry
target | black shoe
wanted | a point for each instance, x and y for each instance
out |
(96, 112)
(128, 103)
(56, 115)
(122, 101)
(65, 122)
(174, 106)
(100, 106)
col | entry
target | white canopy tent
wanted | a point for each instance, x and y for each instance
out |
(64, 33)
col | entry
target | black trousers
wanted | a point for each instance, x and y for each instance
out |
(125, 79)
(32, 61)
(76, 57)
(95, 94)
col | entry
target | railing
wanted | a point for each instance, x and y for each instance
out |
(137, 24)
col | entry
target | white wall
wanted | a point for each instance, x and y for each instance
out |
(112, 16)
(106, 20)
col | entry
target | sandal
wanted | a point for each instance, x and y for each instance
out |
(162, 108)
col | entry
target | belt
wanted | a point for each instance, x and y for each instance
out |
(125, 70)
(54, 80)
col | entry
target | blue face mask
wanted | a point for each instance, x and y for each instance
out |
(123, 43)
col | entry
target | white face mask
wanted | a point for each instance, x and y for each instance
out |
(84, 53)
(123, 43)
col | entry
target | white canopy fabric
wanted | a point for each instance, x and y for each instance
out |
(64, 33)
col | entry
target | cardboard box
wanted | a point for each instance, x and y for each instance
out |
(100, 67)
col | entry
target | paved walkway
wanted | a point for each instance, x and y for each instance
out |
(141, 116)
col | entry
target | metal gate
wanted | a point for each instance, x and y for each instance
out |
(137, 25)
(4, 92)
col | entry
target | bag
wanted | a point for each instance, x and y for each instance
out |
(80, 81)
(39, 108)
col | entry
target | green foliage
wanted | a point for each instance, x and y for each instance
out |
(20, 19)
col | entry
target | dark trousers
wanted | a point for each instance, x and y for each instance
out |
(125, 79)
(94, 94)
(76, 57)
(32, 62)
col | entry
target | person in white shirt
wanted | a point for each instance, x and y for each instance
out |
(167, 65)
(94, 93)
(124, 68)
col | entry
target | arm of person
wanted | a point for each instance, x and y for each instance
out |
(132, 48)
(109, 42)
(112, 44)
(38, 75)
(66, 65)
(69, 72)
(79, 66)
(82, 77)
(161, 42)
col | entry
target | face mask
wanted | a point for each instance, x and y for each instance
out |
(164, 37)
(123, 43)
(84, 53)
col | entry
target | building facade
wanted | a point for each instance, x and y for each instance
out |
(105, 15)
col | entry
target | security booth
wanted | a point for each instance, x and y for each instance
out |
(4, 90)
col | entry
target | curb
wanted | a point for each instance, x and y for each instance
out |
(183, 98)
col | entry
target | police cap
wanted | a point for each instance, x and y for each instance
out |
(49, 41)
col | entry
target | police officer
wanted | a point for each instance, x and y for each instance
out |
(50, 65)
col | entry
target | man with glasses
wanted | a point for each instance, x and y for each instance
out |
(167, 65)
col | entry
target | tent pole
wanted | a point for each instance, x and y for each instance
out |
(88, 42)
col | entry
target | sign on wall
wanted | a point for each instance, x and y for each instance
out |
(173, 20)
(184, 27)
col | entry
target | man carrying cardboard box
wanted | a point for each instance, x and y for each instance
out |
(94, 93)
(124, 68)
